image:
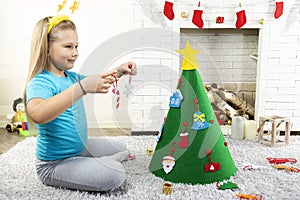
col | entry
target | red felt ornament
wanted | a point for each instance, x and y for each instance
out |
(197, 16)
(279, 9)
(241, 17)
(220, 20)
(212, 167)
(168, 9)
(184, 138)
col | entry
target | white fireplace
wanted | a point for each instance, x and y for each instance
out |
(264, 52)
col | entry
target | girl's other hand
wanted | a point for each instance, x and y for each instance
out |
(99, 83)
(126, 68)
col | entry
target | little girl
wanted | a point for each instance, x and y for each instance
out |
(65, 156)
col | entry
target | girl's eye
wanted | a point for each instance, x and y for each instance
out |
(68, 46)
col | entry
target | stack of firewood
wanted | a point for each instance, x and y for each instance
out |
(228, 103)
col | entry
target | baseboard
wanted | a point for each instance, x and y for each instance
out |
(139, 133)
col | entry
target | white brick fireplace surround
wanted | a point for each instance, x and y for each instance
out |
(275, 42)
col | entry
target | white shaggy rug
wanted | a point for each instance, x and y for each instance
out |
(18, 179)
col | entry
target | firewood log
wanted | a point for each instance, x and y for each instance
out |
(235, 101)
(220, 103)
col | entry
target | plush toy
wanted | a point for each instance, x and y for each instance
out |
(18, 119)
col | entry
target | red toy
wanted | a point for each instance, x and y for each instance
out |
(281, 160)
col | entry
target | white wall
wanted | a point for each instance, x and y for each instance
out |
(97, 21)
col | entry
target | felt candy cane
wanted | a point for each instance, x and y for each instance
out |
(116, 92)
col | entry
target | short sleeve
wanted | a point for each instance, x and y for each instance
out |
(38, 88)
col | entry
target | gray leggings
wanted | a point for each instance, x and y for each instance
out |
(97, 168)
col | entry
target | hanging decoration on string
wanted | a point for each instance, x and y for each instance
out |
(197, 16)
(211, 167)
(241, 18)
(116, 93)
(199, 118)
(278, 8)
(184, 137)
(168, 9)
(129, 87)
(176, 98)
(169, 161)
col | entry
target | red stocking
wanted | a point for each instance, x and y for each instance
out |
(241, 17)
(168, 9)
(279, 9)
(184, 142)
(197, 17)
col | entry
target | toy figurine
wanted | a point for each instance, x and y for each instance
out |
(18, 119)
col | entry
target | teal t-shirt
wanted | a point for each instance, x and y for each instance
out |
(66, 135)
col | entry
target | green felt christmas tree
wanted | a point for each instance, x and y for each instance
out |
(191, 147)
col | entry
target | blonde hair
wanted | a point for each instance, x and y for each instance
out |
(40, 43)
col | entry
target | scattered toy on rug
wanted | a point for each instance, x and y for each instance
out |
(253, 167)
(18, 119)
(224, 185)
(286, 168)
(250, 196)
(281, 160)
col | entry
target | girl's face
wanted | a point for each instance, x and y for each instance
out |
(63, 52)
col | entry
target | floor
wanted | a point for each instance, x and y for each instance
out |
(8, 140)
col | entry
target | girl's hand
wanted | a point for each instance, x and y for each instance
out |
(126, 68)
(99, 83)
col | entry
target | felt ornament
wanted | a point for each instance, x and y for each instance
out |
(175, 99)
(197, 16)
(278, 8)
(199, 119)
(169, 161)
(184, 138)
(168, 9)
(211, 167)
(225, 185)
(241, 18)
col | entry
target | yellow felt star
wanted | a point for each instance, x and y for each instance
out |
(62, 5)
(189, 61)
(74, 6)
